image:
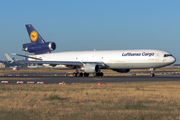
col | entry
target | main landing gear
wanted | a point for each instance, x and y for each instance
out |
(100, 74)
(77, 74)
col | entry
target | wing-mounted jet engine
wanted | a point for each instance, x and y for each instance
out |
(89, 68)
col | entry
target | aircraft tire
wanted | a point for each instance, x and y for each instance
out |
(152, 75)
(86, 74)
(75, 74)
(81, 74)
(101, 74)
(98, 74)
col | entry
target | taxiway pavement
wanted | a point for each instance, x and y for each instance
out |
(58, 79)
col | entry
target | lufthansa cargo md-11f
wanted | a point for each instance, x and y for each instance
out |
(86, 62)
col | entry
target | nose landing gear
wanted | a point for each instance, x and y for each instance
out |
(152, 72)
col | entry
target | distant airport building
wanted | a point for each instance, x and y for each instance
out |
(176, 65)
(2, 65)
(9, 64)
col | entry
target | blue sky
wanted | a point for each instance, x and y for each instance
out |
(76, 25)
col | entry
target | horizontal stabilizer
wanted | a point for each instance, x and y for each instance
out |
(26, 56)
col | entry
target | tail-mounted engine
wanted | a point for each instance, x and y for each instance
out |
(39, 48)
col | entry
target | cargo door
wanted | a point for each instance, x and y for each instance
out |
(157, 57)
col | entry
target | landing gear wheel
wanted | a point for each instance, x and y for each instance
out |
(81, 74)
(86, 74)
(152, 75)
(98, 74)
(101, 74)
(75, 74)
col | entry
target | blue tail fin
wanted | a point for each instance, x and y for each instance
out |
(34, 35)
(37, 45)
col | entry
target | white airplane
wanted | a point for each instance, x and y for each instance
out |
(92, 61)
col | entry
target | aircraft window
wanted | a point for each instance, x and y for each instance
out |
(166, 55)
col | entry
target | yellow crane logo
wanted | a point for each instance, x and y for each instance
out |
(33, 36)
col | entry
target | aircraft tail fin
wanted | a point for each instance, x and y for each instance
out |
(8, 57)
(38, 44)
(34, 36)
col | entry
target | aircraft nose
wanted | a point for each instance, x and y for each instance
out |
(173, 59)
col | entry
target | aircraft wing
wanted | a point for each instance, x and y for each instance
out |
(73, 63)
(55, 62)
(68, 63)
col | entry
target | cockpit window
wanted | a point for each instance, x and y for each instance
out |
(167, 55)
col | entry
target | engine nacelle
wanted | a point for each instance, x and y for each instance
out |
(121, 70)
(91, 68)
(48, 46)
